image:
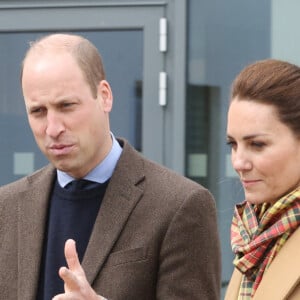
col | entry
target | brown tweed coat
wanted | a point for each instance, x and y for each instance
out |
(155, 236)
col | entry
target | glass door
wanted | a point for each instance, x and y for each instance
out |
(127, 38)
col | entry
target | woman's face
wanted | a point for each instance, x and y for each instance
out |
(264, 152)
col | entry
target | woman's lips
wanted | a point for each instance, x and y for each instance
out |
(249, 183)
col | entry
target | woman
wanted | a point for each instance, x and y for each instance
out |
(263, 131)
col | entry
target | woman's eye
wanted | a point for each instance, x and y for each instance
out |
(258, 145)
(231, 144)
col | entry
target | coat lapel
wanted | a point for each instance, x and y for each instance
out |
(32, 213)
(233, 288)
(123, 192)
(122, 195)
(283, 274)
(280, 279)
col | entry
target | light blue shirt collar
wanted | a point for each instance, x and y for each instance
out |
(102, 172)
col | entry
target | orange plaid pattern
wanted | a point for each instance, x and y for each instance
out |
(257, 234)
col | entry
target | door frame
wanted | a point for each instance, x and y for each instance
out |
(163, 127)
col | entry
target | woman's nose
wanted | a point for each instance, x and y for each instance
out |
(240, 161)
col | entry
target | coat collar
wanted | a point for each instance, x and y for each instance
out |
(123, 192)
(284, 272)
(280, 279)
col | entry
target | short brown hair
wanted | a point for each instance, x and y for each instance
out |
(84, 52)
(273, 82)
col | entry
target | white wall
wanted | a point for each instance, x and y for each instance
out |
(285, 30)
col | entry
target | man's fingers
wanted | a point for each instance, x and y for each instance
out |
(71, 256)
(70, 280)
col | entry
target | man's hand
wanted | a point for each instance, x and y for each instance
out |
(76, 284)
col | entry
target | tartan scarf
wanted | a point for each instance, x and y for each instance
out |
(257, 234)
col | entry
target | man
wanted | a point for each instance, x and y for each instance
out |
(140, 232)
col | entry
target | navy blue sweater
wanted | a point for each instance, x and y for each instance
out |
(71, 215)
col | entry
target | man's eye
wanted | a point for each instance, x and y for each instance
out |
(67, 104)
(37, 110)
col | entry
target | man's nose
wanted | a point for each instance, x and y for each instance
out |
(55, 125)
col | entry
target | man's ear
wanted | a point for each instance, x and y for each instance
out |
(105, 95)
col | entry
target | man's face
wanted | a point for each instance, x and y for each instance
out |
(70, 126)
